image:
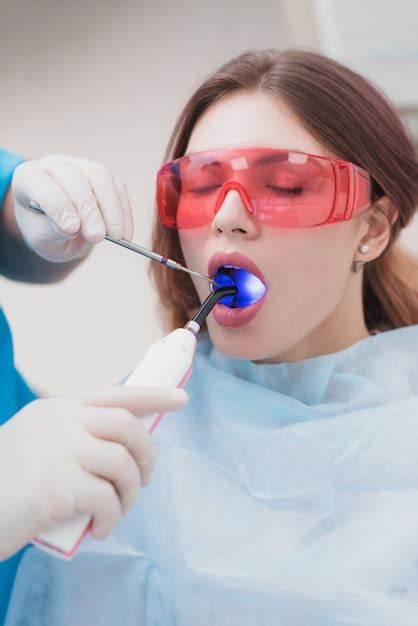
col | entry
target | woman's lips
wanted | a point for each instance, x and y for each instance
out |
(219, 259)
(235, 318)
(240, 316)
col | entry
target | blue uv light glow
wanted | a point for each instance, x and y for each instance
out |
(250, 288)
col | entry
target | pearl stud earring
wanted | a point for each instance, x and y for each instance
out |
(357, 265)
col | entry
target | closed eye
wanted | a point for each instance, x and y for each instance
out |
(288, 191)
(203, 190)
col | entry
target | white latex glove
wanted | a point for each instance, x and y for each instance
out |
(63, 456)
(82, 201)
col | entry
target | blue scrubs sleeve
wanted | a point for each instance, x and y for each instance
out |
(14, 392)
(8, 164)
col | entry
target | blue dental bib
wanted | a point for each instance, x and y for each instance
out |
(283, 495)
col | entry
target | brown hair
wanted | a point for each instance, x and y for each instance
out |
(348, 115)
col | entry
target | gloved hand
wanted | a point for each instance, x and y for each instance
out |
(62, 456)
(82, 202)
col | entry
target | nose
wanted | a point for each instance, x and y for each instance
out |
(233, 215)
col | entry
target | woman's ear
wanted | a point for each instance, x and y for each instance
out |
(380, 219)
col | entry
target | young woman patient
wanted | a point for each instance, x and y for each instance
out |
(286, 492)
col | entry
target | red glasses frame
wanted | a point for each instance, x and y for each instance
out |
(335, 190)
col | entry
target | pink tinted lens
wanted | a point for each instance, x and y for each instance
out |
(285, 189)
(292, 192)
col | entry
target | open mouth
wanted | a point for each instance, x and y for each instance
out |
(236, 269)
(250, 288)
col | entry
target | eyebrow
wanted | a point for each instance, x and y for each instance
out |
(271, 158)
(283, 156)
(264, 160)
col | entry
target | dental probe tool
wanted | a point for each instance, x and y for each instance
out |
(167, 363)
(154, 256)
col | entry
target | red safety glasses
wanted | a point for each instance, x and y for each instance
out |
(281, 188)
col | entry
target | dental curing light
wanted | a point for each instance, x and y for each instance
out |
(250, 289)
(167, 363)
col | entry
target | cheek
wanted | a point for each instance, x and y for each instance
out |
(193, 244)
(312, 268)
(327, 247)
(186, 243)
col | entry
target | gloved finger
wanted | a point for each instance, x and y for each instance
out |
(113, 462)
(98, 497)
(107, 196)
(138, 400)
(76, 185)
(126, 208)
(30, 182)
(120, 426)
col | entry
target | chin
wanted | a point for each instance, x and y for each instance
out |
(245, 342)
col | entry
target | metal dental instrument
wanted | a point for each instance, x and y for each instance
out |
(34, 206)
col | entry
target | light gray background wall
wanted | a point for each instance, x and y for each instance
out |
(106, 80)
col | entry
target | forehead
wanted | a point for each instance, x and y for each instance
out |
(251, 119)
